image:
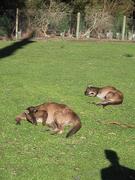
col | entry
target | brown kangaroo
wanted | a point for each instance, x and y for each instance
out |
(54, 115)
(109, 95)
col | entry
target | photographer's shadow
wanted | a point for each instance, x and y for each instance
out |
(115, 171)
(11, 49)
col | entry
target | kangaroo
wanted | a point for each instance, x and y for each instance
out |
(109, 95)
(54, 115)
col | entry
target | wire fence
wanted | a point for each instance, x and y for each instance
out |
(62, 25)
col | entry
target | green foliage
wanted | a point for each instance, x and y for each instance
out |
(79, 5)
(64, 24)
(118, 23)
(34, 4)
(5, 26)
(60, 71)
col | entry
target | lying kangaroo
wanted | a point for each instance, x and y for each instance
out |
(109, 95)
(54, 115)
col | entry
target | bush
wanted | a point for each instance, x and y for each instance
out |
(5, 26)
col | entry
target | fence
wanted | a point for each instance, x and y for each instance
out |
(19, 24)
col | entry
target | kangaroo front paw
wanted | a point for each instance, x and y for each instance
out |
(93, 103)
(98, 104)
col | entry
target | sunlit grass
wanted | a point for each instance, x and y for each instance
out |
(60, 71)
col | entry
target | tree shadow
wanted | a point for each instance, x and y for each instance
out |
(9, 50)
(116, 171)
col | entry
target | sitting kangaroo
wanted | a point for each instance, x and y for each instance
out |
(54, 115)
(109, 95)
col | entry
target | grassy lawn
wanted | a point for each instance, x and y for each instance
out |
(60, 71)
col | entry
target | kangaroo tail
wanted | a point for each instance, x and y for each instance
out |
(75, 128)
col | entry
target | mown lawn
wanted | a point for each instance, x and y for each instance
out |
(60, 71)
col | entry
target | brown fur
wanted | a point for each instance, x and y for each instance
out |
(54, 115)
(109, 95)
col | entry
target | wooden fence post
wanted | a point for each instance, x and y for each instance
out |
(124, 28)
(78, 25)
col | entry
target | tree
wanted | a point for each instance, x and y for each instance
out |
(97, 20)
(48, 15)
(100, 14)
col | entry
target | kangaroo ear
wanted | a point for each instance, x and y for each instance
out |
(26, 111)
(89, 85)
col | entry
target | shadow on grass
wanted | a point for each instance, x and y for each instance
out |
(9, 50)
(116, 171)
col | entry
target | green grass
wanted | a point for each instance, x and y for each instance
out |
(60, 71)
